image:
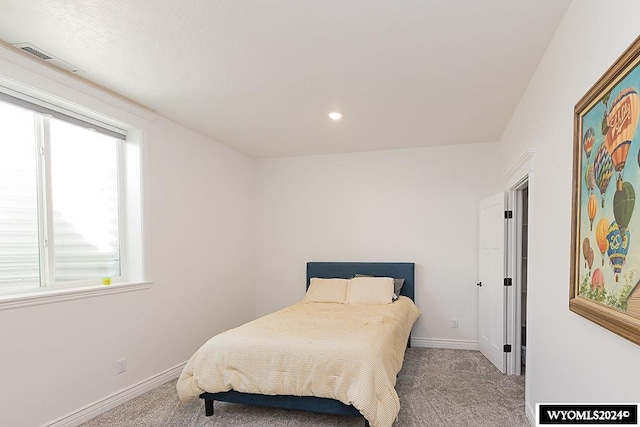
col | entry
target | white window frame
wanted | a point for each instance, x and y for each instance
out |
(130, 210)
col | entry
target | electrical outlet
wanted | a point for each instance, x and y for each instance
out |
(454, 323)
(121, 366)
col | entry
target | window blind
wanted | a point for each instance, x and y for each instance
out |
(60, 113)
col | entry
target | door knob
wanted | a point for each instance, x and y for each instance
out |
(479, 283)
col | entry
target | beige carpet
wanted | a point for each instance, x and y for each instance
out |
(437, 387)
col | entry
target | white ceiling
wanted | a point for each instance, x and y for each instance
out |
(261, 76)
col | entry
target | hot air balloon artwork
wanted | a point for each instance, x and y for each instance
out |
(590, 178)
(622, 120)
(617, 247)
(606, 176)
(603, 169)
(602, 229)
(597, 280)
(624, 201)
(587, 252)
(592, 207)
(587, 141)
(605, 122)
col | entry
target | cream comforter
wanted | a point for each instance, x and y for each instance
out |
(350, 353)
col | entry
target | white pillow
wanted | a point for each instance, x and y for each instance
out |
(327, 290)
(370, 290)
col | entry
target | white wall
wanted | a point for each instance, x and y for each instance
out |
(57, 358)
(417, 205)
(569, 357)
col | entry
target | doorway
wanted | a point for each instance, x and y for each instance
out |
(518, 256)
(502, 274)
(503, 307)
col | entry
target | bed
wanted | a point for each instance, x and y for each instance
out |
(217, 372)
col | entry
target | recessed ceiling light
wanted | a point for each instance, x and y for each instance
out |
(335, 115)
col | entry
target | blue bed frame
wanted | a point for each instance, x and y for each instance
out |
(345, 270)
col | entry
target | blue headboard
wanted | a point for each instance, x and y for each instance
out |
(346, 270)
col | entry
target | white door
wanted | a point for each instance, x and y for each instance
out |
(491, 288)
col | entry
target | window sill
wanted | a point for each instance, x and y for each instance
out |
(48, 296)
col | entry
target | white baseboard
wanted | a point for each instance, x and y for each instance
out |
(444, 343)
(531, 416)
(98, 407)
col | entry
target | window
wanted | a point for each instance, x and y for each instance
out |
(63, 199)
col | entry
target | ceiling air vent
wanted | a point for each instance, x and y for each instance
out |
(36, 52)
(41, 54)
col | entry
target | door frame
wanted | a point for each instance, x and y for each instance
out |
(520, 175)
(514, 269)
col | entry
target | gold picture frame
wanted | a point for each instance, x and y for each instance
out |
(605, 226)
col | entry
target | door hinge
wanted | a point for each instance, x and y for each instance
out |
(507, 348)
(508, 281)
(508, 214)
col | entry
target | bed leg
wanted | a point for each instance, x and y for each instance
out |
(409, 342)
(208, 407)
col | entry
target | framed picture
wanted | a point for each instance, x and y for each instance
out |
(605, 231)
